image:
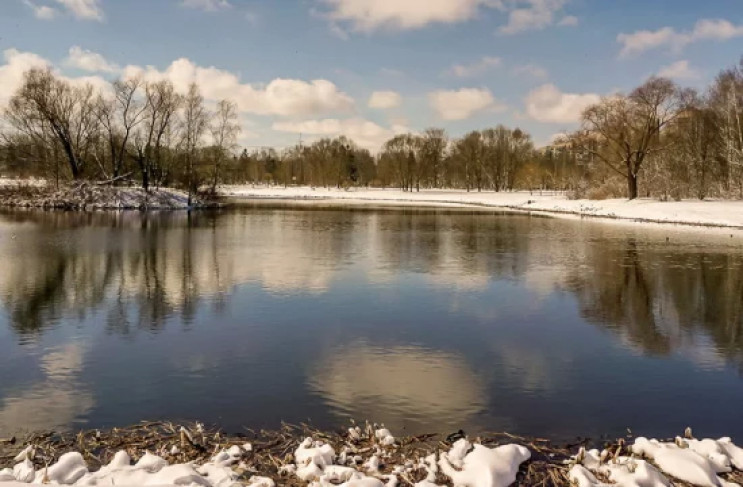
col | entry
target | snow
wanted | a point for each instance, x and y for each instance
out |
(150, 470)
(385, 437)
(483, 466)
(88, 196)
(646, 463)
(10, 182)
(687, 212)
(694, 461)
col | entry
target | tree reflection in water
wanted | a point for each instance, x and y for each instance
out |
(657, 295)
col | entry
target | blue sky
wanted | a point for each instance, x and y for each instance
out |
(457, 64)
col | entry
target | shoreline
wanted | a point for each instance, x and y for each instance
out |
(91, 196)
(165, 453)
(689, 214)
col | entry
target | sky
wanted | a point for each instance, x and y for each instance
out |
(370, 69)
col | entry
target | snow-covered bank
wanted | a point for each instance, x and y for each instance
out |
(372, 457)
(687, 212)
(89, 196)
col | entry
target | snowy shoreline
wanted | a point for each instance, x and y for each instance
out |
(165, 454)
(721, 214)
(89, 196)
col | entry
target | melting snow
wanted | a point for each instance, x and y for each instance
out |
(697, 462)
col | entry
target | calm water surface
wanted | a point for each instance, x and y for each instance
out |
(426, 320)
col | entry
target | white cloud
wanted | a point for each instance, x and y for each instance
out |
(16, 65)
(383, 100)
(280, 97)
(679, 70)
(89, 61)
(11, 73)
(462, 104)
(667, 37)
(42, 12)
(207, 5)
(548, 104)
(370, 15)
(283, 97)
(365, 133)
(530, 70)
(84, 9)
(526, 15)
(478, 67)
(568, 21)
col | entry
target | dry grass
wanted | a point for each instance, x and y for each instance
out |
(271, 450)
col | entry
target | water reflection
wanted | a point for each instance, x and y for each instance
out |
(404, 316)
(53, 402)
(400, 386)
(660, 298)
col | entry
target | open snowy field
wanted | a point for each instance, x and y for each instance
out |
(687, 212)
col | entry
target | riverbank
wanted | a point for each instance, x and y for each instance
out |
(725, 214)
(164, 454)
(86, 196)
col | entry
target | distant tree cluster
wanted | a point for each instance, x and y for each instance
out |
(496, 159)
(664, 141)
(659, 140)
(136, 130)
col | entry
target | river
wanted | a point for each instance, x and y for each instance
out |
(425, 320)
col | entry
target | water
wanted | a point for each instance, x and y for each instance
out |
(426, 320)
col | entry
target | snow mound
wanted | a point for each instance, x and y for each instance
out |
(482, 466)
(373, 463)
(150, 470)
(697, 462)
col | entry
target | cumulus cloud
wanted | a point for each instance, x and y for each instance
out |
(568, 21)
(283, 97)
(530, 70)
(478, 67)
(280, 97)
(384, 100)
(365, 133)
(11, 73)
(669, 38)
(89, 61)
(42, 12)
(370, 15)
(548, 104)
(462, 104)
(84, 9)
(679, 70)
(16, 65)
(524, 15)
(207, 5)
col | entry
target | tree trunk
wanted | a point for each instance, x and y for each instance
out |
(631, 185)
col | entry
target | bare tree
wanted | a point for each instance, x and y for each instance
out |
(48, 108)
(432, 147)
(119, 117)
(161, 105)
(195, 123)
(726, 99)
(225, 128)
(628, 128)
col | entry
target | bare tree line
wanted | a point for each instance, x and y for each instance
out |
(660, 140)
(665, 141)
(136, 130)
